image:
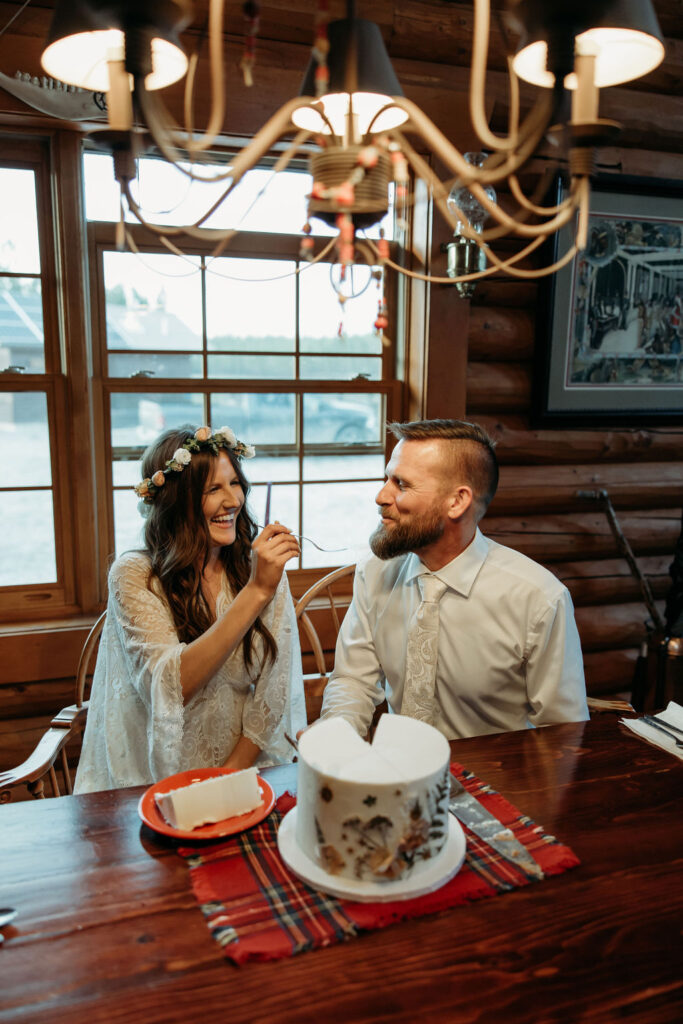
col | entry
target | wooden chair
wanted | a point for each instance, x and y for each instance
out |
(598, 705)
(320, 597)
(65, 726)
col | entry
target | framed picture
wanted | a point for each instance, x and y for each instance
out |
(609, 340)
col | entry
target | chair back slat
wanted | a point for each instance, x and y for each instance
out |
(315, 683)
(89, 648)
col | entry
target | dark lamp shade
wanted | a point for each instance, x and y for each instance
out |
(626, 40)
(359, 67)
(86, 34)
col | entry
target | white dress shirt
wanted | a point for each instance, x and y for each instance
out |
(509, 654)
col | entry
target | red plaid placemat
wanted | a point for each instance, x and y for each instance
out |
(258, 910)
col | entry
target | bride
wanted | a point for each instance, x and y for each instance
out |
(199, 662)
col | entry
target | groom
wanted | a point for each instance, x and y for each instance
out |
(448, 625)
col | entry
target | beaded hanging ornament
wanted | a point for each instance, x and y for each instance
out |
(251, 11)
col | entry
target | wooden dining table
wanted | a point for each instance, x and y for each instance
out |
(108, 928)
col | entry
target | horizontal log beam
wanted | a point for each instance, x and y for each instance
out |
(504, 291)
(517, 444)
(610, 626)
(498, 387)
(556, 538)
(44, 697)
(610, 672)
(556, 488)
(501, 335)
(610, 580)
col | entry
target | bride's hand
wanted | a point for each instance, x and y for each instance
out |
(271, 551)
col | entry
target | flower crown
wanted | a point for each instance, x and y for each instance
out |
(203, 440)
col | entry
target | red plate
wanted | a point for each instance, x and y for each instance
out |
(152, 816)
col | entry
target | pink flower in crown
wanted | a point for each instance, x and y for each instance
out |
(202, 434)
(142, 489)
(159, 479)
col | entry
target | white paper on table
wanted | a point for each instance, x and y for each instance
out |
(672, 715)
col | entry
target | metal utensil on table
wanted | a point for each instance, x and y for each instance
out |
(300, 537)
(7, 914)
(669, 730)
(486, 826)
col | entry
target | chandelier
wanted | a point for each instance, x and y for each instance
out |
(366, 136)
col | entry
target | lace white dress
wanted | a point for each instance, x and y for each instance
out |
(138, 730)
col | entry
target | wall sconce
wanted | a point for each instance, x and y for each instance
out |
(465, 257)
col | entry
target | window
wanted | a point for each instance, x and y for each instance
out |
(100, 349)
(35, 562)
(255, 339)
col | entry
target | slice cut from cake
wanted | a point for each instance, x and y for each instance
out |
(372, 812)
(210, 800)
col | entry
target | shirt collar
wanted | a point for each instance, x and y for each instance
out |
(460, 573)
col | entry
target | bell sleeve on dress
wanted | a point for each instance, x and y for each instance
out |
(151, 656)
(275, 704)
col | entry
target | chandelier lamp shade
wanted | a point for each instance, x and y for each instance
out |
(86, 36)
(363, 136)
(623, 35)
(361, 83)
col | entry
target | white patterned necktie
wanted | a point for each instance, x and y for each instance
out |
(422, 651)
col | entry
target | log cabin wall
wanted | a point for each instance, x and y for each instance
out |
(537, 509)
(476, 359)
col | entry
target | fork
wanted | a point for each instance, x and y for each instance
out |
(663, 728)
(300, 537)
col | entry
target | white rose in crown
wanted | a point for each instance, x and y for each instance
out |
(182, 456)
(249, 451)
(227, 434)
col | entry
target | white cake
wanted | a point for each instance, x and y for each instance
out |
(372, 812)
(210, 800)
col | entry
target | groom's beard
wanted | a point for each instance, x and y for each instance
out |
(408, 536)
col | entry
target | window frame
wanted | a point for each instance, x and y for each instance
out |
(101, 237)
(37, 600)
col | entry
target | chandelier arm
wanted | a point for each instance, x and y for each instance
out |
(262, 142)
(166, 134)
(247, 158)
(280, 277)
(217, 113)
(177, 251)
(526, 207)
(513, 114)
(541, 189)
(505, 265)
(191, 230)
(480, 41)
(540, 234)
(516, 227)
(188, 94)
(441, 189)
(456, 162)
(378, 113)
(508, 265)
(280, 165)
(507, 223)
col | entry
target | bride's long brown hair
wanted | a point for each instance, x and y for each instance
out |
(177, 541)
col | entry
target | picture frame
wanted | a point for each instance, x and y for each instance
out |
(609, 333)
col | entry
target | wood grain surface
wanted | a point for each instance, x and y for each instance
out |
(108, 929)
